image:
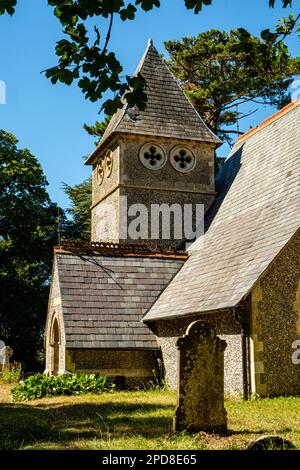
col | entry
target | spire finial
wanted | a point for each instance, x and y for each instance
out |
(150, 42)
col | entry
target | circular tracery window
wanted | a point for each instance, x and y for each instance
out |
(104, 167)
(152, 156)
(100, 171)
(108, 163)
(182, 159)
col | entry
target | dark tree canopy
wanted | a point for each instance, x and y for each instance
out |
(84, 55)
(28, 222)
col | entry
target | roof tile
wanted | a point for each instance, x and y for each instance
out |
(108, 313)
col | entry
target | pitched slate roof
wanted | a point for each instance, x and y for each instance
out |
(256, 213)
(104, 297)
(169, 113)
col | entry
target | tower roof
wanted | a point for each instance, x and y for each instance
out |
(168, 112)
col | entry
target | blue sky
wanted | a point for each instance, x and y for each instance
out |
(48, 119)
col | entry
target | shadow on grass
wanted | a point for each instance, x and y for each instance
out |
(22, 424)
(61, 424)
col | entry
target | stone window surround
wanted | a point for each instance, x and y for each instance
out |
(153, 151)
(172, 153)
(187, 157)
(104, 167)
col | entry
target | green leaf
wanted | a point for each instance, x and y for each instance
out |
(196, 5)
(7, 6)
(128, 13)
(285, 3)
(148, 5)
(40, 386)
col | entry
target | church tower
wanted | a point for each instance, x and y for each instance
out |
(152, 164)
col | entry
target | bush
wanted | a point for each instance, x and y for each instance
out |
(39, 386)
(11, 376)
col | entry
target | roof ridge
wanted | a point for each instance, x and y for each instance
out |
(269, 120)
(143, 58)
(116, 249)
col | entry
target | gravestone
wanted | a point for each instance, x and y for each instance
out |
(5, 356)
(201, 381)
(271, 442)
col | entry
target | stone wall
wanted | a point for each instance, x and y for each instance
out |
(201, 178)
(129, 177)
(275, 325)
(105, 223)
(149, 197)
(134, 365)
(108, 184)
(226, 326)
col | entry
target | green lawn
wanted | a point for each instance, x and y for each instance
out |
(135, 420)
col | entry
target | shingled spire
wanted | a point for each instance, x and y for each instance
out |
(168, 113)
(162, 156)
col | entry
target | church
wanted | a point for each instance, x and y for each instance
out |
(119, 303)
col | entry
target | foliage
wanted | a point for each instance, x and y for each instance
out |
(98, 128)
(11, 375)
(127, 12)
(7, 6)
(81, 199)
(80, 195)
(83, 55)
(27, 237)
(222, 70)
(39, 386)
(219, 161)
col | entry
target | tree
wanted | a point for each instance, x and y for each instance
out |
(80, 196)
(85, 57)
(222, 71)
(98, 129)
(27, 235)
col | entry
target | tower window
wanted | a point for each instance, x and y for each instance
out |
(152, 156)
(104, 167)
(108, 163)
(100, 171)
(182, 159)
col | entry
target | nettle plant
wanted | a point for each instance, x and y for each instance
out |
(40, 386)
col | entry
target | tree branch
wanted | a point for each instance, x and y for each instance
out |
(109, 29)
(230, 132)
(243, 116)
(288, 31)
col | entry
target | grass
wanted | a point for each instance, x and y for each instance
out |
(135, 420)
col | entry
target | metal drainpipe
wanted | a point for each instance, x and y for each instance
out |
(244, 334)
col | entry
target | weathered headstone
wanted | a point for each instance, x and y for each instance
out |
(271, 442)
(201, 381)
(2, 350)
(6, 354)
